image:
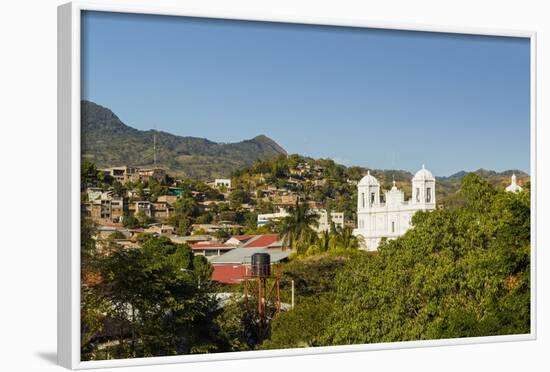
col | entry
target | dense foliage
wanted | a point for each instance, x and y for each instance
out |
(315, 286)
(146, 302)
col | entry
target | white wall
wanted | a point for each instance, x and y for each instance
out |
(28, 122)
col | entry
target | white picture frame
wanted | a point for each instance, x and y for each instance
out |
(69, 48)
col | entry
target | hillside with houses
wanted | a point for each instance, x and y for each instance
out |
(246, 210)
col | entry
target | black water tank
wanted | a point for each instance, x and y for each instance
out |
(261, 265)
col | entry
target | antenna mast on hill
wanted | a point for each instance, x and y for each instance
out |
(155, 146)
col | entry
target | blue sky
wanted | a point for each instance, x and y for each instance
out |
(378, 98)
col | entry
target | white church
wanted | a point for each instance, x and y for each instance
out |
(514, 187)
(391, 219)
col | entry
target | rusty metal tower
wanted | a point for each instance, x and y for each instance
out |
(262, 283)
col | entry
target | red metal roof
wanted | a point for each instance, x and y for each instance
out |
(202, 246)
(229, 273)
(262, 241)
(243, 237)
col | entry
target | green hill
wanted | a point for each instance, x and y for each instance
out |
(107, 141)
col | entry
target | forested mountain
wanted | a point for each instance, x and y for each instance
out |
(107, 141)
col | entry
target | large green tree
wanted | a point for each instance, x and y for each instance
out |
(158, 301)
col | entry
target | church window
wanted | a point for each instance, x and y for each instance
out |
(393, 226)
(428, 195)
(417, 194)
(372, 197)
(363, 199)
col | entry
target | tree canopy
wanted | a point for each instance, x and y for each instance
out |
(154, 301)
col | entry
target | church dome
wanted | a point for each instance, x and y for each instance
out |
(423, 175)
(368, 180)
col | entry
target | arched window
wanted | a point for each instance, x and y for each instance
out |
(393, 226)
(428, 195)
(372, 198)
(363, 199)
(418, 194)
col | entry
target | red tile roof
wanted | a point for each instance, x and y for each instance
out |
(229, 273)
(262, 241)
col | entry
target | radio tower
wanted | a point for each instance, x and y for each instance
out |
(155, 146)
(155, 149)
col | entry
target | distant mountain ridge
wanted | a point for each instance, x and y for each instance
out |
(107, 141)
(486, 173)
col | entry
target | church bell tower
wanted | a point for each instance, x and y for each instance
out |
(423, 188)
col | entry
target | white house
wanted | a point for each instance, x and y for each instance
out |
(514, 187)
(266, 218)
(337, 218)
(218, 182)
(392, 218)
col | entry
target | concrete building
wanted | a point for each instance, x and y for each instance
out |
(210, 249)
(392, 218)
(169, 199)
(103, 207)
(94, 193)
(161, 210)
(286, 200)
(145, 173)
(336, 218)
(125, 173)
(193, 239)
(143, 206)
(121, 174)
(219, 182)
(266, 218)
(160, 229)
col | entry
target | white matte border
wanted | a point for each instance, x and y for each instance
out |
(69, 16)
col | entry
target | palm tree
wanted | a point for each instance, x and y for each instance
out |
(343, 239)
(296, 230)
(324, 241)
(347, 239)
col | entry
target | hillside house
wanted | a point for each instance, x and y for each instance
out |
(336, 218)
(125, 173)
(222, 182)
(106, 207)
